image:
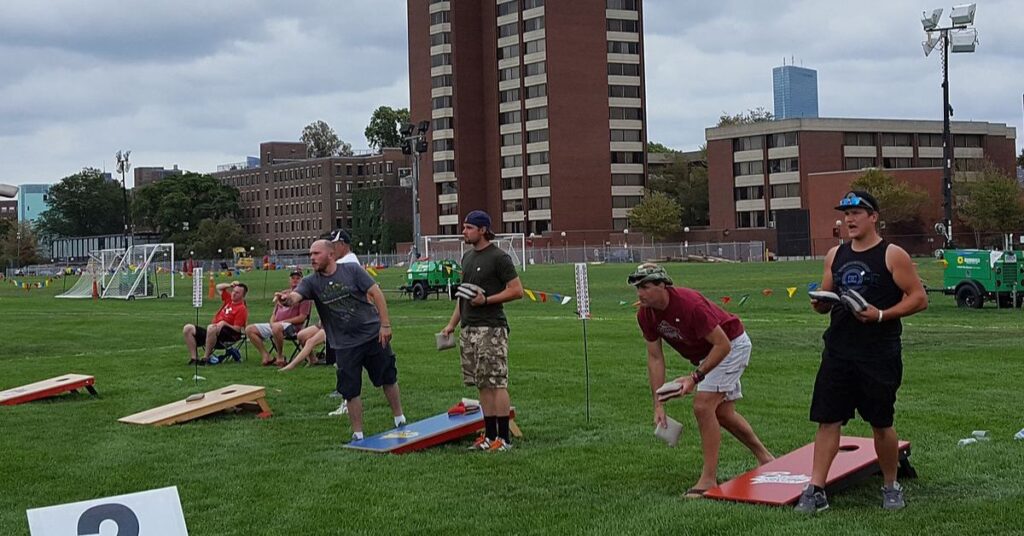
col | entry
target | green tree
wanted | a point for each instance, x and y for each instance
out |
(321, 141)
(213, 235)
(175, 206)
(993, 203)
(687, 184)
(657, 215)
(755, 115)
(18, 245)
(901, 203)
(383, 128)
(655, 147)
(83, 204)
(1020, 158)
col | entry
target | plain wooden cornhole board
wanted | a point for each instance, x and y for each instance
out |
(781, 481)
(47, 388)
(247, 396)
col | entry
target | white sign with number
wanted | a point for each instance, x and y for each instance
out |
(582, 291)
(197, 288)
(147, 513)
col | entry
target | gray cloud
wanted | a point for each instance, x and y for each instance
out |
(199, 83)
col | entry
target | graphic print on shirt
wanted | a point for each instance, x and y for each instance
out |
(854, 275)
(339, 299)
(669, 332)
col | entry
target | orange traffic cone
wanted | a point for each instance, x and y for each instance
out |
(213, 289)
(95, 290)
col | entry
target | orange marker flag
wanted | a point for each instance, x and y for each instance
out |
(213, 288)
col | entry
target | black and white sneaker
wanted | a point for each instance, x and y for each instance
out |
(811, 501)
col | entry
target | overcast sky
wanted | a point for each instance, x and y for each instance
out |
(201, 83)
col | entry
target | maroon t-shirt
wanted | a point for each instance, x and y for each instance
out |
(686, 321)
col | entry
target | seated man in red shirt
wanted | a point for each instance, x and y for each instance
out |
(717, 345)
(227, 324)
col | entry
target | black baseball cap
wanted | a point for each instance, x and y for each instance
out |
(296, 272)
(858, 199)
(339, 235)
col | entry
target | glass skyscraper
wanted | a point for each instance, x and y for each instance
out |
(796, 92)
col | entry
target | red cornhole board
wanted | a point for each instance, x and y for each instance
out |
(47, 388)
(426, 433)
(780, 482)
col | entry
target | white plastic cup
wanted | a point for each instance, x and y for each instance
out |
(965, 442)
(1019, 435)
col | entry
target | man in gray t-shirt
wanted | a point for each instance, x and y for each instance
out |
(358, 332)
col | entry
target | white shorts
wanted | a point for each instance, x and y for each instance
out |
(266, 333)
(725, 378)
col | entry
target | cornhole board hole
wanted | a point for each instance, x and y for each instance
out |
(427, 433)
(47, 388)
(780, 482)
(243, 396)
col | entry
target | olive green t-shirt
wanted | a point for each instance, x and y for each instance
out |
(491, 269)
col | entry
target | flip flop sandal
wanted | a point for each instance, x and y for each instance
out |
(694, 493)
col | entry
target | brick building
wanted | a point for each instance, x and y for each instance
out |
(291, 200)
(778, 181)
(537, 113)
(149, 175)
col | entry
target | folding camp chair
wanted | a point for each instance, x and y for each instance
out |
(237, 351)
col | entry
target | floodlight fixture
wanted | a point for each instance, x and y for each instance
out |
(930, 22)
(963, 41)
(930, 44)
(424, 126)
(7, 190)
(963, 14)
(407, 129)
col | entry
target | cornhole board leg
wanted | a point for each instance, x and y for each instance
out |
(212, 402)
(780, 482)
(47, 388)
(424, 434)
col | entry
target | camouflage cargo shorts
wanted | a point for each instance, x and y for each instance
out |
(484, 357)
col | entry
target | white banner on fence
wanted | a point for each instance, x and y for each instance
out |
(197, 288)
(582, 291)
(148, 513)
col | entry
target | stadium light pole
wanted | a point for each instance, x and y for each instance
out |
(122, 167)
(414, 143)
(958, 37)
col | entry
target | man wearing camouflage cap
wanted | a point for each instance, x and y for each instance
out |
(717, 345)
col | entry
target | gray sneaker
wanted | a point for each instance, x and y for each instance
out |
(811, 501)
(892, 498)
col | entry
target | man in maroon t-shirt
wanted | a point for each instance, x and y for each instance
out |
(716, 343)
(227, 324)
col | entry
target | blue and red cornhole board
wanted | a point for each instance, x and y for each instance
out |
(47, 389)
(423, 434)
(780, 482)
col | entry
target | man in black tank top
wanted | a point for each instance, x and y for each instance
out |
(861, 366)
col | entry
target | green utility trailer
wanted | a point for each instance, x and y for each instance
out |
(976, 275)
(432, 277)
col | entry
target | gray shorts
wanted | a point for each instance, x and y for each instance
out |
(725, 378)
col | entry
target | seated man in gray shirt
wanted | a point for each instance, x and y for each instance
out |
(358, 331)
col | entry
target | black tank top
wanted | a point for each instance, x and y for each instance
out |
(865, 272)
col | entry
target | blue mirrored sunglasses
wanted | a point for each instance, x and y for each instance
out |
(855, 201)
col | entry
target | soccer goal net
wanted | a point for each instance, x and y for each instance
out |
(101, 266)
(437, 247)
(145, 271)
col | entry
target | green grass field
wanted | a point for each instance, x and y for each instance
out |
(290, 475)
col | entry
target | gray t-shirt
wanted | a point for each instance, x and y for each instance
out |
(349, 319)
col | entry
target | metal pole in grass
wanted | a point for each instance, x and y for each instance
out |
(197, 302)
(583, 310)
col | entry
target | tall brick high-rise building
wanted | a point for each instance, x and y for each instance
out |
(537, 113)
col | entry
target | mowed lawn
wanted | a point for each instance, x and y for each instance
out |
(290, 475)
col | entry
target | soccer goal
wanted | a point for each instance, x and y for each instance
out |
(145, 271)
(101, 266)
(438, 247)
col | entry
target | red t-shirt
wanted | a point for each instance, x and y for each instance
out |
(236, 314)
(686, 321)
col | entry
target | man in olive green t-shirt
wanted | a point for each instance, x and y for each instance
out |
(484, 336)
